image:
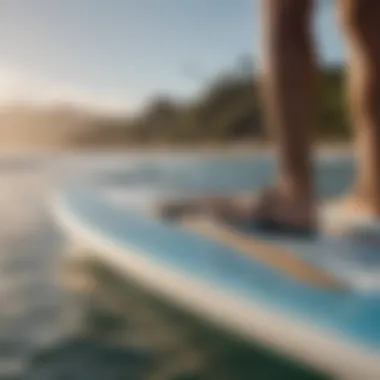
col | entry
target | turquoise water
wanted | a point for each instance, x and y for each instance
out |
(333, 175)
(36, 316)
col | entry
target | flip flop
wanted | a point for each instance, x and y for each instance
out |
(224, 213)
(269, 225)
(272, 226)
(177, 210)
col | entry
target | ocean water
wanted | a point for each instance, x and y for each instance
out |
(48, 332)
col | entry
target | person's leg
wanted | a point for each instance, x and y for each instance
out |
(288, 91)
(360, 20)
(288, 95)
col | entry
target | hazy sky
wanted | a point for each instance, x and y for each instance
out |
(117, 53)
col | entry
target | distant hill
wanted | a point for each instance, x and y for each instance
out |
(228, 109)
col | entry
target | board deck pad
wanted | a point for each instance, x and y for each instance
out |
(270, 254)
(345, 253)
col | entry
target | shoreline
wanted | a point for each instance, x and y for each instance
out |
(204, 149)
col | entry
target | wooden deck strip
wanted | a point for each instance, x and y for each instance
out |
(267, 253)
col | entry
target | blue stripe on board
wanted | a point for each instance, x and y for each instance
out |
(351, 315)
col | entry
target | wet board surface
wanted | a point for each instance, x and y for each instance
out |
(350, 253)
(345, 252)
(347, 309)
(272, 255)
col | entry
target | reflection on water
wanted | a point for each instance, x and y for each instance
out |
(88, 359)
(126, 334)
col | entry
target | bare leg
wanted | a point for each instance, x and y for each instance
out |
(288, 81)
(288, 94)
(361, 23)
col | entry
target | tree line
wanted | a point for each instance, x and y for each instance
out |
(227, 109)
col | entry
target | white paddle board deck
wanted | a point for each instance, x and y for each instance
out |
(330, 322)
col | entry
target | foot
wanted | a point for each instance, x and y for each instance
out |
(353, 217)
(272, 211)
(356, 206)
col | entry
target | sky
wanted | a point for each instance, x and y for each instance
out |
(116, 54)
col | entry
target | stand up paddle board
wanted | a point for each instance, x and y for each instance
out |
(315, 300)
